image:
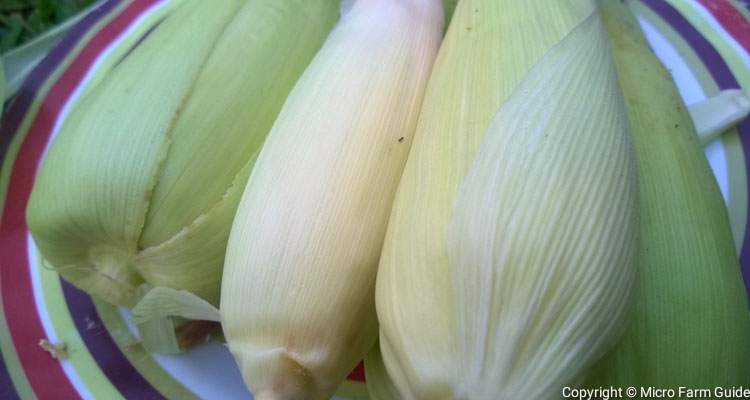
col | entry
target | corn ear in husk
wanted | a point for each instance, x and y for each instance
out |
(297, 299)
(143, 179)
(691, 326)
(542, 242)
(489, 47)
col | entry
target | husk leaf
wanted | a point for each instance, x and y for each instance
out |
(691, 323)
(542, 242)
(162, 302)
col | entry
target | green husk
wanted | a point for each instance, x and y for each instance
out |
(163, 302)
(143, 179)
(157, 334)
(691, 325)
(158, 311)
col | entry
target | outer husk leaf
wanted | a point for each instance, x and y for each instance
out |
(489, 46)
(156, 312)
(542, 242)
(691, 326)
(297, 294)
(142, 181)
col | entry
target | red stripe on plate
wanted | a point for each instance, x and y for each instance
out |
(358, 373)
(731, 20)
(47, 379)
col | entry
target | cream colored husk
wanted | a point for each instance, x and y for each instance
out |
(297, 298)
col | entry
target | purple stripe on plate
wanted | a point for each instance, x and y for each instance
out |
(104, 350)
(140, 41)
(7, 390)
(24, 98)
(705, 51)
(743, 130)
(724, 78)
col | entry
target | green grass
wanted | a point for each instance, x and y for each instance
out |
(22, 20)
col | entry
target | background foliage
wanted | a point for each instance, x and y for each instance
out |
(22, 20)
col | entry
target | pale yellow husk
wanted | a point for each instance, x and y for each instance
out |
(143, 179)
(477, 68)
(542, 242)
(297, 298)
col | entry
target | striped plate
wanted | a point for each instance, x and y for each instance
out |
(705, 43)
